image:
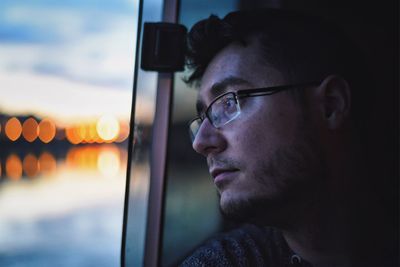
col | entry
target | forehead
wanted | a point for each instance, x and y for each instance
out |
(237, 67)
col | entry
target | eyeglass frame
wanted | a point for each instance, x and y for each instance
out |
(240, 94)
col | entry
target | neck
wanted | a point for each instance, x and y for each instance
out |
(319, 237)
(324, 233)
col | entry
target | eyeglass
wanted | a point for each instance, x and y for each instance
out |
(226, 107)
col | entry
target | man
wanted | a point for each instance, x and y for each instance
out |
(283, 99)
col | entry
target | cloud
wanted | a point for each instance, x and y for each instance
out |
(70, 44)
(51, 21)
(67, 101)
(24, 34)
(24, 24)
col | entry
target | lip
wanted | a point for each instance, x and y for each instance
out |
(222, 175)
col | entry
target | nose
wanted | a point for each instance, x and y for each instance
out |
(209, 139)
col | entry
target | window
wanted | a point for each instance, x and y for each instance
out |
(65, 105)
(190, 204)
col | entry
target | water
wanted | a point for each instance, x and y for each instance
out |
(71, 216)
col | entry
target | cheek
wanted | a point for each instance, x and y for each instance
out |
(261, 134)
(257, 137)
(266, 126)
(276, 125)
(250, 144)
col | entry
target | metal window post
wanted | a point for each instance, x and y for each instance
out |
(159, 154)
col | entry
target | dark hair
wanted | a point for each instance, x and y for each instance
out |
(303, 48)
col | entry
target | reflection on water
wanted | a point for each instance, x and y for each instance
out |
(62, 207)
(13, 167)
(109, 160)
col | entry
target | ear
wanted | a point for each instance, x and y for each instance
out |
(334, 98)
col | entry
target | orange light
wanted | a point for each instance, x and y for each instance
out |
(82, 157)
(71, 157)
(30, 130)
(30, 165)
(90, 157)
(73, 135)
(92, 133)
(47, 163)
(80, 131)
(13, 129)
(47, 130)
(14, 167)
(123, 133)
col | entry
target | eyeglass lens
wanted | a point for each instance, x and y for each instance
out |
(224, 109)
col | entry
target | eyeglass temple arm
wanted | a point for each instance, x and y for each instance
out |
(270, 90)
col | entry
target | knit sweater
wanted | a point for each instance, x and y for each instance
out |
(248, 245)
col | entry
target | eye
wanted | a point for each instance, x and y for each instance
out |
(223, 109)
(229, 105)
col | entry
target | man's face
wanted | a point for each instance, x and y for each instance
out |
(260, 159)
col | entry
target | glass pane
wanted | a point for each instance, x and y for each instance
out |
(136, 218)
(191, 203)
(66, 89)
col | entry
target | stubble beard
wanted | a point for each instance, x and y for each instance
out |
(296, 172)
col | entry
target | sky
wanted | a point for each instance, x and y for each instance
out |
(73, 60)
(67, 59)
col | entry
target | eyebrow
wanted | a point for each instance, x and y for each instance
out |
(220, 88)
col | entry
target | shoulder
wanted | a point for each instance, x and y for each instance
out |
(248, 245)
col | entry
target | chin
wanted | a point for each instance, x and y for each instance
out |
(237, 208)
(252, 209)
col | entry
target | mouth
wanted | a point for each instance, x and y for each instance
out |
(222, 175)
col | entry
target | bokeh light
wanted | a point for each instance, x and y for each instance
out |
(97, 138)
(30, 165)
(85, 133)
(123, 133)
(82, 157)
(47, 163)
(47, 130)
(72, 157)
(13, 167)
(109, 162)
(13, 129)
(93, 133)
(30, 130)
(73, 135)
(89, 157)
(108, 128)
(80, 130)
